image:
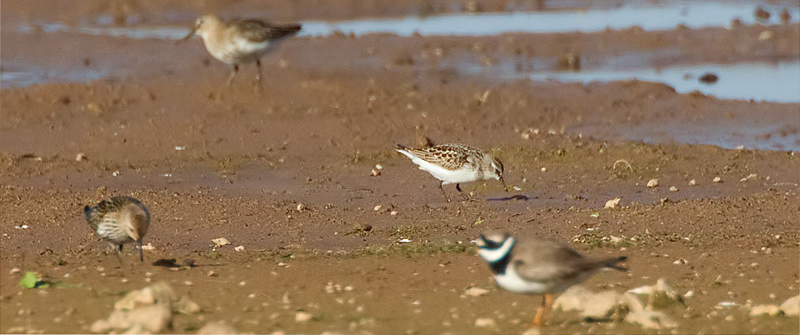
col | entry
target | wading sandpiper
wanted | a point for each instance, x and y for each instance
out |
(240, 41)
(455, 164)
(119, 220)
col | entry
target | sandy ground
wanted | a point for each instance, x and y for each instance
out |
(211, 161)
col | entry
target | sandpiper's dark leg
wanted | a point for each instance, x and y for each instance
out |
(233, 74)
(466, 196)
(258, 75)
(441, 183)
(259, 86)
(141, 252)
(117, 251)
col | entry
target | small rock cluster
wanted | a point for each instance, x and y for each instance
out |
(611, 305)
(145, 311)
(790, 307)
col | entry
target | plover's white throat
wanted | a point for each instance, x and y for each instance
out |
(536, 266)
(240, 41)
(119, 220)
(455, 164)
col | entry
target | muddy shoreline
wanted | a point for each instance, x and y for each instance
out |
(237, 163)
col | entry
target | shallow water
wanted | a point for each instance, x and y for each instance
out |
(758, 81)
(692, 14)
(26, 76)
(695, 14)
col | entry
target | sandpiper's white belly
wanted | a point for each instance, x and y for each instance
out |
(236, 50)
(256, 49)
(111, 230)
(464, 175)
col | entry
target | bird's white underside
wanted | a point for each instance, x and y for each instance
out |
(236, 49)
(511, 281)
(463, 175)
(111, 229)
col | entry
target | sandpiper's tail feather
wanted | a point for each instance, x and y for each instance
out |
(90, 214)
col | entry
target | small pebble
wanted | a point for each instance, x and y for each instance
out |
(302, 317)
(485, 323)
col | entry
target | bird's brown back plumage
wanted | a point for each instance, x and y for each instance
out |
(259, 31)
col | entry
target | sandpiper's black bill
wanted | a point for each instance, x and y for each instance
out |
(187, 37)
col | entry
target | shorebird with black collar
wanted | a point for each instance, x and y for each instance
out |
(536, 266)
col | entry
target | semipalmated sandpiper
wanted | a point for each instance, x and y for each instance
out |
(455, 164)
(240, 41)
(119, 220)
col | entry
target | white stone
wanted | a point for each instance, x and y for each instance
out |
(770, 310)
(613, 203)
(791, 307)
(302, 317)
(485, 323)
(476, 291)
(218, 242)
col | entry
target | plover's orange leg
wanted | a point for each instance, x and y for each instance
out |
(538, 320)
(233, 74)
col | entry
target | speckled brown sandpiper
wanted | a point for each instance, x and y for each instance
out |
(119, 220)
(455, 164)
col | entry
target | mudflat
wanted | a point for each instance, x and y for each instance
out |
(286, 172)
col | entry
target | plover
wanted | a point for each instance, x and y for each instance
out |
(240, 41)
(536, 266)
(119, 220)
(455, 164)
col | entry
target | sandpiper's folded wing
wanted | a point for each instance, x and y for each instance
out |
(260, 31)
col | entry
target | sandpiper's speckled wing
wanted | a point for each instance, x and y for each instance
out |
(544, 261)
(448, 156)
(94, 215)
(260, 31)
